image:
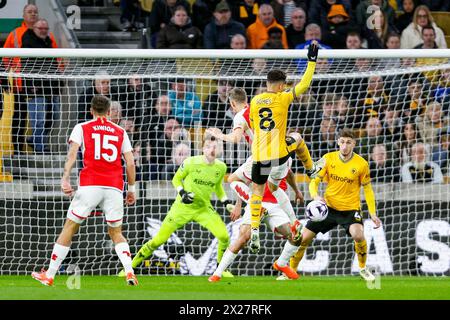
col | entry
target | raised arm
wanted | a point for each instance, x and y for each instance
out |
(304, 84)
(233, 137)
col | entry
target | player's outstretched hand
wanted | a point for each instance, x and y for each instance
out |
(313, 51)
(187, 197)
(376, 221)
(215, 132)
(229, 205)
(299, 199)
(236, 213)
(67, 188)
(130, 199)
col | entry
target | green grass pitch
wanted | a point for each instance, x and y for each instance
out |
(238, 288)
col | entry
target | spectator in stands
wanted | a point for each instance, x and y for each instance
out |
(353, 40)
(441, 152)
(408, 138)
(414, 103)
(428, 38)
(437, 5)
(373, 135)
(366, 9)
(245, 11)
(412, 35)
(338, 27)
(393, 41)
(42, 94)
(282, 10)
(325, 141)
(172, 135)
(343, 113)
(216, 109)
(295, 32)
(442, 91)
(404, 19)
(275, 39)
(14, 40)
(326, 110)
(382, 170)
(222, 28)
(419, 169)
(391, 124)
(162, 12)
(102, 86)
(238, 42)
(115, 112)
(130, 128)
(319, 9)
(202, 12)
(180, 152)
(186, 105)
(376, 99)
(377, 35)
(257, 33)
(312, 32)
(431, 123)
(134, 99)
(180, 33)
(153, 124)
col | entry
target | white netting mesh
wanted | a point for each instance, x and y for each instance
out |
(379, 98)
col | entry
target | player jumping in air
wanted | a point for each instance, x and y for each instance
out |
(270, 148)
(101, 184)
(196, 179)
(276, 219)
(345, 172)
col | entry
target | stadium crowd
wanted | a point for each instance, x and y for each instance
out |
(402, 121)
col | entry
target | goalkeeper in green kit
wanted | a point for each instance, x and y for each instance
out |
(196, 179)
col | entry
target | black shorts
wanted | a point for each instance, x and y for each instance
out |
(335, 218)
(259, 175)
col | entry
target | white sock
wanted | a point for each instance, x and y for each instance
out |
(227, 259)
(288, 251)
(123, 251)
(241, 189)
(59, 253)
(285, 203)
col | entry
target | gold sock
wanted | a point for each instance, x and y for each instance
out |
(304, 155)
(361, 251)
(297, 257)
(255, 210)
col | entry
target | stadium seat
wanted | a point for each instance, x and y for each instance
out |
(442, 19)
(447, 39)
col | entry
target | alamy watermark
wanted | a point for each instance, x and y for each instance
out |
(376, 284)
(73, 17)
(74, 281)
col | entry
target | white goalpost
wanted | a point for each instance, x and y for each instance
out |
(165, 99)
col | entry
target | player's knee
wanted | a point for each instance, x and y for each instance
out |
(358, 237)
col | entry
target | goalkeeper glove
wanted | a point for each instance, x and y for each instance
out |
(228, 205)
(186, 197)
(313, 50)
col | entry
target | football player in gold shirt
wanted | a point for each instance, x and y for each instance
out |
(345, 172)
(270, 147)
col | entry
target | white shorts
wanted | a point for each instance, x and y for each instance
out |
(274, 219)
(88, 198)
(278, 173)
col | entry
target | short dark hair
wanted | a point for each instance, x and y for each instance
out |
(430, 27)
(276, 76)
(100, 104)
(274, 30)
(346, 133)
(238, 95)
(354, 34)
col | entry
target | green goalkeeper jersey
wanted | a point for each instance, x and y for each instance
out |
(201, 178)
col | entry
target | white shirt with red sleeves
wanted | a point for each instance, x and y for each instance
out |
(102, 143)
(242, 120)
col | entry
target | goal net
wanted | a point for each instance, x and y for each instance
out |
(396, 102)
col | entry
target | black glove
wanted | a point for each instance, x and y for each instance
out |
(313, 50)
(228, 205)
(186, 197)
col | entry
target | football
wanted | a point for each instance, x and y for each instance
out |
(316, 211)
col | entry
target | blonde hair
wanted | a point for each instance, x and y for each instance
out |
(416, 13)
